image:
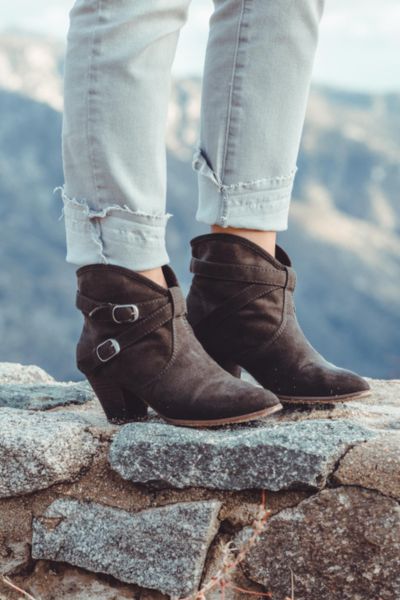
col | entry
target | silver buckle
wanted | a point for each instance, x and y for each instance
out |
(115, 346)
(134, 316)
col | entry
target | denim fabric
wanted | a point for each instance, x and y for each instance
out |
(117, 80)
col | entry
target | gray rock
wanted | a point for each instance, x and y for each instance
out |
(274, 457)
(342, 544)
(40, 449)
(44, 396)
(17, 373)
(160, 548)
(374, 465)
(380, 410)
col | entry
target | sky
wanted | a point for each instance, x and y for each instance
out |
(359, 45)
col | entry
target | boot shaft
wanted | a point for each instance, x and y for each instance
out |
(133, 294)
(224, 267)
(241, 308)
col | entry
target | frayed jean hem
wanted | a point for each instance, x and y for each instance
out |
(114, 235)
(262, 204)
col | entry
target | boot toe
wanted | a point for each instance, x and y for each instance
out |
(245, 397)
(326, 384)
(349, 383)
(258, 398)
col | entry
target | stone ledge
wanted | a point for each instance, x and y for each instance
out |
(86, 485)
(44, 396)
(38, 450)
(275, 457)
(16, 373)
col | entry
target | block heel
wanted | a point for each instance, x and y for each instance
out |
(120, 405)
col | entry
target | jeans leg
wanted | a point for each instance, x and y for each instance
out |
(117, 81)
(255, 88)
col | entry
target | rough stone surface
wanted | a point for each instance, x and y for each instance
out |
(44, 396)
(38, 450)
(374, 465)
(380, 410)
(160, 548)
(274, 457)
(342, 544)
(17, 373)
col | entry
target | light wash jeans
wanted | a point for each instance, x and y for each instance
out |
(116, 90)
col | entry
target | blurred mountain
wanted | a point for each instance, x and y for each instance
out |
(344, 234)
(31, 64)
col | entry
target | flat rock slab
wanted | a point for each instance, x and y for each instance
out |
(374, 465)
(274, 457)
(44, 396)
(160, 548)
(342, 544)
(40, 449)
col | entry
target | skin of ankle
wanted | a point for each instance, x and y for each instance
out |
(155, 275)
(265, 239)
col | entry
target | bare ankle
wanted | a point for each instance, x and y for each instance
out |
(155, 275)
(265, 239)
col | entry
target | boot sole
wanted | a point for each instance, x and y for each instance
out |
(323, 399)
(214, 422)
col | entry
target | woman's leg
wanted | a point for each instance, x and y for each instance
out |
(256, 82)
(116, 90)
(240, 305)
(136, 348)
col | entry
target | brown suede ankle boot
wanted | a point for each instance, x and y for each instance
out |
(137, 349)
(241, 308)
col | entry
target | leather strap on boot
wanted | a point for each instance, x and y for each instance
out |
(142, 318)
(262, 281)
(250, 273)
(118, 313)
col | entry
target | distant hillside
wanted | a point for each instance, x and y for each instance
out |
(344, 234)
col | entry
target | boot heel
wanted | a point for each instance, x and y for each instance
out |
(119, 405)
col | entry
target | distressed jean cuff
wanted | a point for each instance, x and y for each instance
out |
(114, 235)
(262, 204)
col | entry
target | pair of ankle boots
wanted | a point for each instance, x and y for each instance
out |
(143, 345)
